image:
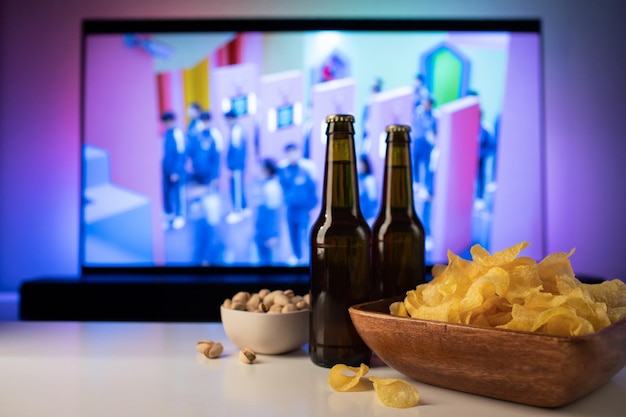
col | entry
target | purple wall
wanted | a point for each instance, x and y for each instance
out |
(585, 98)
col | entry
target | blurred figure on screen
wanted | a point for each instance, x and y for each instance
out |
(494, 165)
(487, 147)
(423, 129)
(236, 161)
(173, 166)
(376, 88)
(268, 213)
(297, 177)
(307, 130)
(421, 93)
(425, 156)
(206, 156)
(208, 248)
(486, 160)
(194, 110)
(368, 196)
(194, 127)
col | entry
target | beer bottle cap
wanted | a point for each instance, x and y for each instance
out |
(398, 128)
(340, 118)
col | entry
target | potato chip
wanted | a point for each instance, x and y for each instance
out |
(395, 392)
(482, 257)
(523, 280)
(562, 321)
(398, 309)
(522, 319)
(616, 313)
(343, 383)
(609, 292)
(498, 319)
(508, 291)
(441, 312)
(438, 269)
(495, 282)
(555, 265)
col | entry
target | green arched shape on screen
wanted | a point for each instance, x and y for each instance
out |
(447, 71)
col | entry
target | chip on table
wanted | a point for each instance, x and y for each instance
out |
(391, 392)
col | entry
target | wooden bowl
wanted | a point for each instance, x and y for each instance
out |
(526, 368)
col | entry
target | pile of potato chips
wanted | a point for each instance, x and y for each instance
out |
(507, 291)
(391, 392)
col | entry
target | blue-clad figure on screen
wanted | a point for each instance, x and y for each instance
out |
(194, 111)
(194, 127)
(424, 129)
(420, 91)
(173, 166)
(297, 177)
(236, 163)
(487, 148)
(368, 195)
(486, 158)
(206, 156)
(376, 88)
(208, 246)
(268, 212)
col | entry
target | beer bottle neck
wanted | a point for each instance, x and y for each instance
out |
(398, 180)
(340, 181)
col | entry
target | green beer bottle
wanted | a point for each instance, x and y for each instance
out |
(398, 235)
(340, 255)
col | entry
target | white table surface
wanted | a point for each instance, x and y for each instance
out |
(69, 369)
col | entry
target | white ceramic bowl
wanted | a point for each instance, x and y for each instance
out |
(269, 334)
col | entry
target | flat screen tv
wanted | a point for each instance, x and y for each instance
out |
(203, 140)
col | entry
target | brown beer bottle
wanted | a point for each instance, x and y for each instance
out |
(340, 255)
(397, 234)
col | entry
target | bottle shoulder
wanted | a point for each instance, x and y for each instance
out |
(398, 224)
(328, 228)
(394, 217)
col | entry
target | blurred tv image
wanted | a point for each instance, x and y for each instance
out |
(208, 148)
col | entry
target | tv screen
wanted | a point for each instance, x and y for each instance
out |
(285, 116)
(203, 141)
(239, 106)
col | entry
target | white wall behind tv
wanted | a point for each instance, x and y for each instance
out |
(585, 99)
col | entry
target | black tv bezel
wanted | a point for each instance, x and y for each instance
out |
(193, 25)
(116, 26)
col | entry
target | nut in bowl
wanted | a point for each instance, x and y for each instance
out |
(263, 330)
